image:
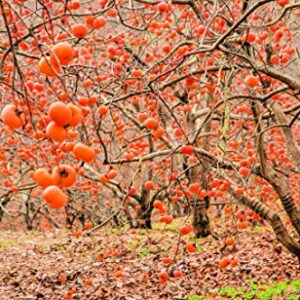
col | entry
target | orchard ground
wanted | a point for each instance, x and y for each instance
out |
(126, 264)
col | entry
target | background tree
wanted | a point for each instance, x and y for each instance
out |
(112, 105)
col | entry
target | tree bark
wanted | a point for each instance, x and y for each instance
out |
(146, 210)
(273, 219)
(200, 217)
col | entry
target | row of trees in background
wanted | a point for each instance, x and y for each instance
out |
(113, 110)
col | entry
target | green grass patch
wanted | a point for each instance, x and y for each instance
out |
(194, 297)
(279, 290)
(6, 244)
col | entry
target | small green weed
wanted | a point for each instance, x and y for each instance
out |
(58, 247)
(43, 248)
(144, 252)
(132, 244)
(199, 248)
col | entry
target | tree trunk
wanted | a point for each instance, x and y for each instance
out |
(146, 210)
(279, 182)
(200, 217)
(273, 219)
(3, 205)
(198, 174)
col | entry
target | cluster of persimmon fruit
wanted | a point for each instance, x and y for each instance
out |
(61, 120)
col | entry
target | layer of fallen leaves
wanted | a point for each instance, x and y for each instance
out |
(48, 266)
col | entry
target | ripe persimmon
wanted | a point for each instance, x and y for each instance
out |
(89, 281)
(132, 191)
(244, 171)
(168, 219)
(187, 149)
(103, 179)
(99, 22)
(145, 277)
(162, 7)
(48, 67)
(186, 229)
(136, 73)
(177, 274)
(88, 225)
(142, 116)
(252, 81)
(119, 274)
(159, 132)
(112, 12)
(229, 241)
(72, 134)
(65, 175)
(74, 4)
(76, 115)
(55, 132)
(243, 224)
(112, 174)
(202, 194)
(166, 48)
(163, 277)
(251, 37)
(158, 204)
(79, 30)
(190, 247)
(89, 20)
(55, 197)
(194, 187)
(62, 52)
(60, 113)
(239, 191)
(10, 116)
(102, 110)
(77, 233)
(62, 278)
(100, 256)
(162, 210)
(224, 262)
(84, 152)
(282, 2)
(83, 101)
(151, 123)
(167, 260)
(234, 262)
(149, 185)
(43, 178)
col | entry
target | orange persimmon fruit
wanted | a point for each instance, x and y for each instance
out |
(55, 197)
(55, 132)
(84, 152)
(48, 67)
(65, 175)
(43, 178)
(10, 116)
(62, 52)
(60, 113)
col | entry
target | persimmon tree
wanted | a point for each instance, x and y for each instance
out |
(127, 108)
